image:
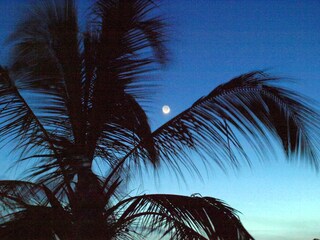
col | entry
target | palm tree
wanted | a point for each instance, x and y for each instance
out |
(71, 102)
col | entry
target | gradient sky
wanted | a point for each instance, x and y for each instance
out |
(211, 42)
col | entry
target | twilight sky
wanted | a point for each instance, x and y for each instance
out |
(211, 42)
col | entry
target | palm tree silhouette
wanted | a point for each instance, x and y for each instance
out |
(70, 102)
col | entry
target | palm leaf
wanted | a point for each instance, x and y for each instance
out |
(246, 110)
(21, 128)
(124, 42)
(31, 211)
(45, 61)
(19, 123)
(181, 217)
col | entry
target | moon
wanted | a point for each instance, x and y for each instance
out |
(166, 109)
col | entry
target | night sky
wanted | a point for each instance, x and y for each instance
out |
(211, 42)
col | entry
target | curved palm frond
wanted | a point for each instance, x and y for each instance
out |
(180, 217)
(128, 127)
(24, 206)
(36, 67)
(26, 131)
(121, 40)
(45, 61)
(19, 123)
(246, 110)
(18, 194)
(29, 224)
(80, 82)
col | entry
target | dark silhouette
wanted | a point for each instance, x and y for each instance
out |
(69, 103)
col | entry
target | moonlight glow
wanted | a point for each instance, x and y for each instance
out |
(166, 109)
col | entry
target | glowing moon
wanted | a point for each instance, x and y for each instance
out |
(166, 109)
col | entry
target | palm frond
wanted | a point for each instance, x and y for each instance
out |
(45, 60)
(124, 42)
(29, 224)
(19, 123)
(18, 194)
(181, 217)
(128, 127)
(246, 110)
(31, 211)
(21, 128)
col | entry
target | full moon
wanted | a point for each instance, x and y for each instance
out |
(166, 109)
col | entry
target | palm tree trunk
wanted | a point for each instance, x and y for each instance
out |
(89, 207)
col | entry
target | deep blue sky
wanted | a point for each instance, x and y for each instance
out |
(211, 42)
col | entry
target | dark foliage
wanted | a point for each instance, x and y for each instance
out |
(70, 101)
